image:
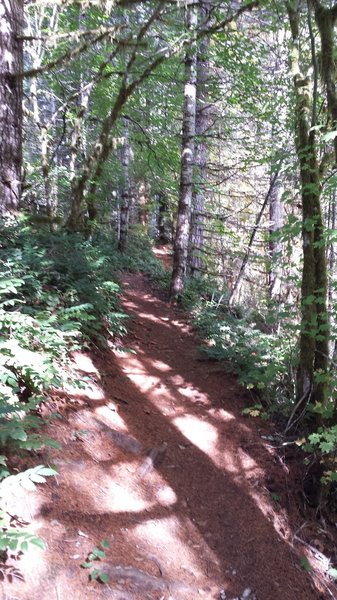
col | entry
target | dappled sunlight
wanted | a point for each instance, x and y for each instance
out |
(110, 416)
(171, 396)
(121, 493)
(278, 519)
(20, 499)
(130, 304)
(166, 496)
(113, 490)
(221, 414)
(160, 365)
(191, 394)
(201, 434)
(90, 391)
(132, 364)
(163, 468)
(34, 563)
(154, 319)
(84, 363)
(172, 537)
(177, 380)
(143, 381)
(158, 390)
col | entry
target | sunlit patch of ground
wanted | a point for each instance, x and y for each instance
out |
(197, 521)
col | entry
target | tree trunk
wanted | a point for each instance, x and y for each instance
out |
(314, 333)
(144, 203)
(275, 246)
(163, 223)
(180, 249)
(325, 20)
(237, 283)
(126, 195)
(202, 123)
(11, 61)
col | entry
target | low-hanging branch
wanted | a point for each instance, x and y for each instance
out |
(106, 32)
(75, 35)
(69, 55)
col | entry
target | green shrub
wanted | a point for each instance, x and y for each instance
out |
(261, 360)
(56, 291)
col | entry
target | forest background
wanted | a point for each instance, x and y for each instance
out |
(211, 125)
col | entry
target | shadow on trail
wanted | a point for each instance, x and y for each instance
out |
(206, 495)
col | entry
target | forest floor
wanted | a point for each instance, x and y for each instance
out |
(158, 460)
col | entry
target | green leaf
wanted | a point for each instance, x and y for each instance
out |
(309, 299)
(97, 553)
(46, 471)
(12, 543)
(37, 478)
(103, 577)
(87, 565)
(305, 564)
(94, 574)
(18, 434)
(332, 572)
(38, 542)
(330, 135)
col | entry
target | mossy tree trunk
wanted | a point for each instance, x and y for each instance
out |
(314, 332)
(326, 19)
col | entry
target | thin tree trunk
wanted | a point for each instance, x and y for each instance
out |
(11, 61)
(126, 196)
(163, 226)
(245, 260)
(201, 152)
(44, 149)
(180, 249)
(275, 246)
(144, 201)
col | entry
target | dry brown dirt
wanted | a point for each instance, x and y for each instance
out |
(158, 460)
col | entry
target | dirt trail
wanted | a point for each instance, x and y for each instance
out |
(157, 459)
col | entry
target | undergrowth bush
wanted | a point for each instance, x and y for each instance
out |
(56, 292)
(262, 360)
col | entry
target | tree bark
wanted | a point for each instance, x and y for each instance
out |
(180, 250)
(325, 20)
(275, 246)
(163, 219)
(144, 202)
(314, 332)
(126, 195)
(11, 61)
(237, 283)
(201, 151)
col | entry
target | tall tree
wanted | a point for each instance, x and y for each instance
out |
(314, 333)
(126, 191)
(11, 91)
(202, 125)
(275, 245)
(180, 252)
